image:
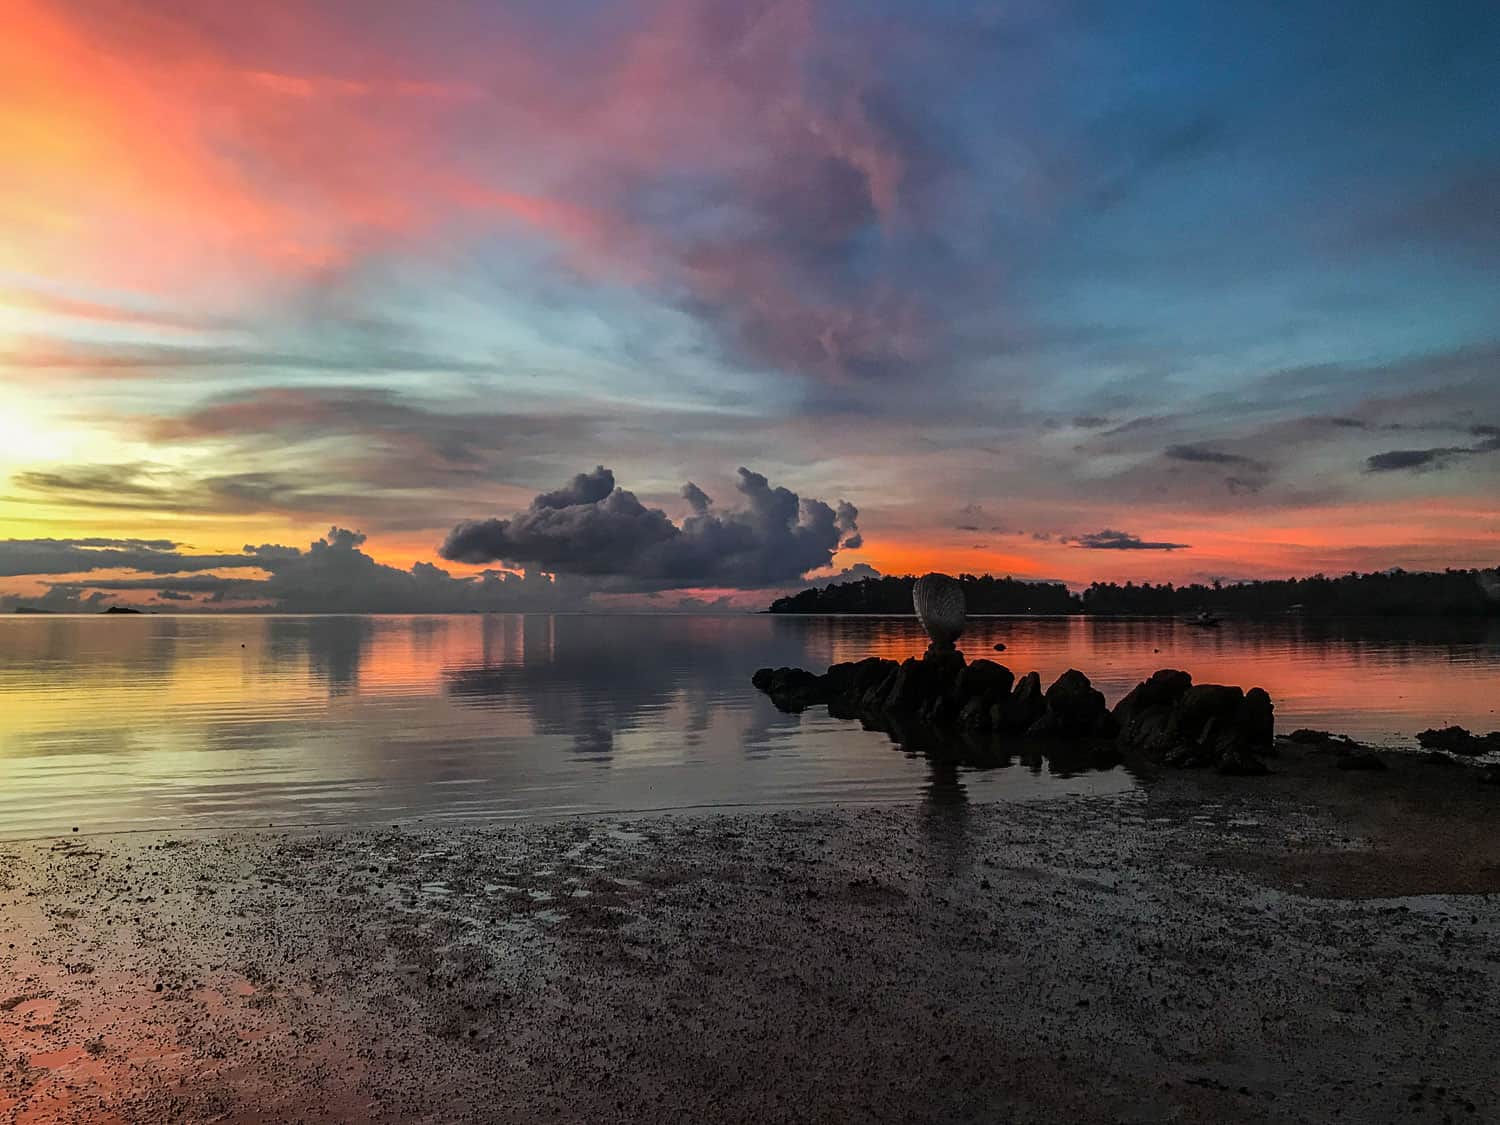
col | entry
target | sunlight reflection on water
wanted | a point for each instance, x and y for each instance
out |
(159, 721)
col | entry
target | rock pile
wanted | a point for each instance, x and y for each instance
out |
(1457, 740)
(1189, 724)
(1167, 717)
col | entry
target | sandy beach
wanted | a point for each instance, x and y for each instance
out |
(1315, 945)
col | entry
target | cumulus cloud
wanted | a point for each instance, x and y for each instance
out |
(1111, 540)
(775, 537)
(333, 575)
(585, 488)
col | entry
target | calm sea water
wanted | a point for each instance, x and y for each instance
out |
(182, 722)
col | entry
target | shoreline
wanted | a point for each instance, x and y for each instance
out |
(1277, 948)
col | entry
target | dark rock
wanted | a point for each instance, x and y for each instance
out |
(944, 667)
(1073, 707)
(858, 676)
(908, 688)
(793, 689)
(1456, 740)
(1197, 725)
(1361, 760)
(1240, 762)
(984, 678)
(1203, 702)
(1143, 716)
(1163, 688)
(1255, 721)
(975, 714)
(1305, 736)
(1105, 726)
(1022, 707)
(1189, 755)
(875, 696)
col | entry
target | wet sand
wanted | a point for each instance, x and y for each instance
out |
(1312, 946)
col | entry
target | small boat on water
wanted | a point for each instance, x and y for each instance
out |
(1205, 619)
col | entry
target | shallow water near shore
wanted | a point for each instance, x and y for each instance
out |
(162, 722)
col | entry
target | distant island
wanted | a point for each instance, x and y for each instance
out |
(1392, 593)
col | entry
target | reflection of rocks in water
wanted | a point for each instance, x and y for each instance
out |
(591, 678)
(972, 749)
(335, 647)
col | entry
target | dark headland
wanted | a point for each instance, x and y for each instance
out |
(1389, 593)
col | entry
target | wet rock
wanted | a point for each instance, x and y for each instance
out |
(985, 677)
(1457, 740)
(1305, 736)
(908, 687)
(1162, 689)
(1256, 719)
(1198, 725)
(975, 713)
(859, 676)
(1241, 762)
(1073, 708)
(944, 668)
(1144, 715)
(1202, 703)
(793, 689)
(1022, 707)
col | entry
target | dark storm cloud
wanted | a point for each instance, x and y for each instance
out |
(335, 575)
(128, 544)
(776, 537)
(189, 584)
(585, 488)
(1110, 540)
(1398, 459)
(1204, 456)
(1418, 460)
(77, 556)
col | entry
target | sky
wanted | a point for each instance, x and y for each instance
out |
(357, 304)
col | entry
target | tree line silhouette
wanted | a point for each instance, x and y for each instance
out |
(1390, 593)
